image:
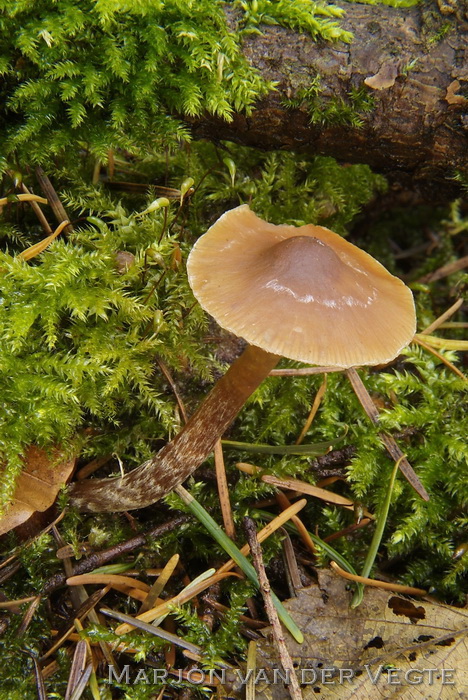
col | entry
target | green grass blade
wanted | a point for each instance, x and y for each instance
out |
(381, 519)
(314, 449)
(230, 548)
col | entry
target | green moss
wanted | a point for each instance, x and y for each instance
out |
(80, 338)
(329, 111)
(108, 74)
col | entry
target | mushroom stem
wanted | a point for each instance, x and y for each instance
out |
(174, 463)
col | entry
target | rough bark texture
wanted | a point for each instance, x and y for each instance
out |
(419, 126)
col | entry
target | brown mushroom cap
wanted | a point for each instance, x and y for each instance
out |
(303, 293)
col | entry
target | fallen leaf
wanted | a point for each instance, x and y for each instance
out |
(389, 647)
(384, 79)
(37, 485)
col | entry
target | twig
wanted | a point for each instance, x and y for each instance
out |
(440, 320)
(30, 612)
(303, 371)
(440, 357)
(389, 442)
(100, 558)
(251, 667)
(284, 503)
(80, 614)
(347, 530)
(292, 569)
(53, 199)
(302, 486)
(159, 585)
(157, 631)
(223, 491)
(278, 636)
(444, 271)
(397, 587)
(92, 466)
(165, 370)
(77, 668)
(315, 407)
(268, 530)
(38, 211)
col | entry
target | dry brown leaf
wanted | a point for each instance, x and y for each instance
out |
(37, 486)
(389, 647)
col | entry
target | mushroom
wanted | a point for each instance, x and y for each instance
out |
(303, 293)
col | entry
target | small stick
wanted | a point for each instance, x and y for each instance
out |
(268, 530)
(315, 407)
(397, 587)
(40, 687)
(223, 491)
(251, 666)
(302, 486)
(107, 579)
(165, 370)
(80, 614)
(27, 619)
(100, 558)
(347, 530)
(284, 503)
(440, 357)
(278, 636)
(389, 442)
(159, 585)
(38, 211)
(53, 199)
(92, 466)
(440, 320)
(444, 271)
(157, 631)
(303, 371)
(292, 569)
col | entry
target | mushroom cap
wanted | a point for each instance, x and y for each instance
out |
(301, 292)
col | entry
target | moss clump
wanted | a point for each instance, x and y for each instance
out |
(109, 74)
(81, 336)
(329, 111)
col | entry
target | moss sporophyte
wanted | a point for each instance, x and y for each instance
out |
(302, 293)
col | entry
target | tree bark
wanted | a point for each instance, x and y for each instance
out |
(417, 130)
